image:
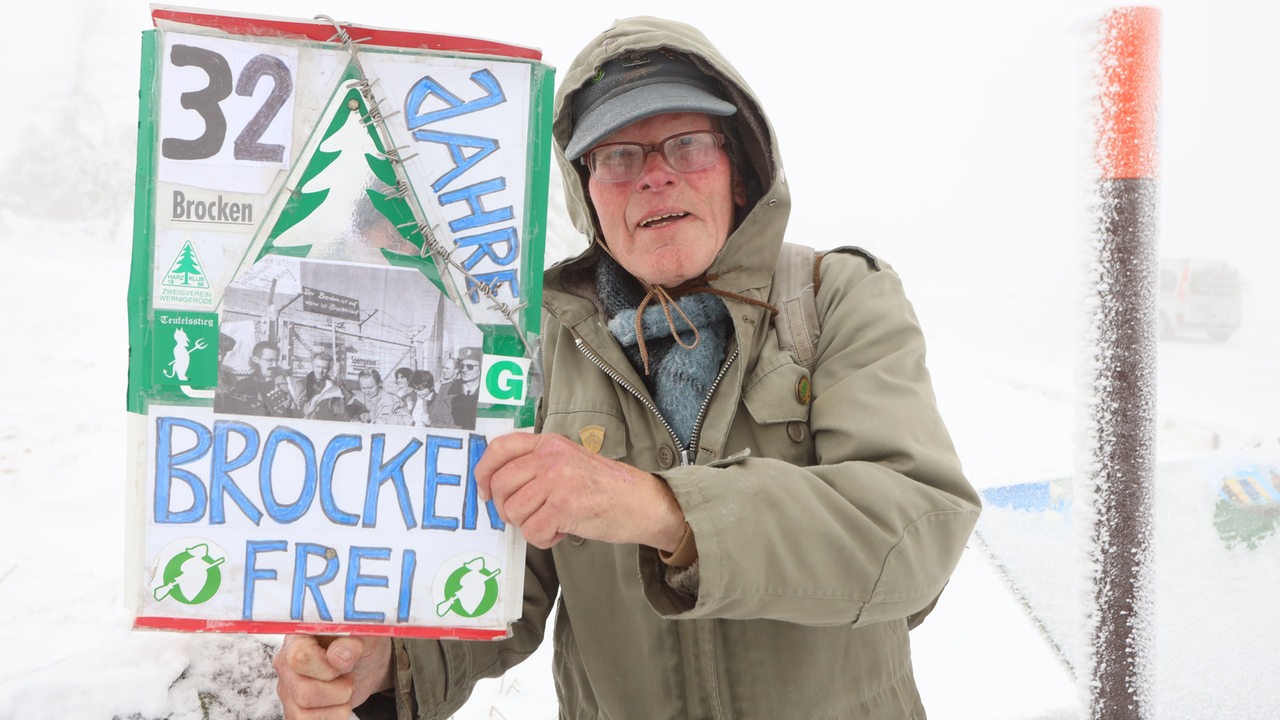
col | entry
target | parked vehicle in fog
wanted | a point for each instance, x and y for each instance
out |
(1199, 296)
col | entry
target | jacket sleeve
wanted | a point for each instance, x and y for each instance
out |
(434, 678)
(873, 530)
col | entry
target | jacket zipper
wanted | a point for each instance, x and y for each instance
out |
(617, 377)
(692, 452)
(687, 457)
(687, 454)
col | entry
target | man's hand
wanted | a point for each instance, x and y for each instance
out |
(319, 682)
(550, 487)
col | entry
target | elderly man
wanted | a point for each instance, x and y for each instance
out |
(746, 540)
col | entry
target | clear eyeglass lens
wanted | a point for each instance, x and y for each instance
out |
(687, 153)
(619, 162)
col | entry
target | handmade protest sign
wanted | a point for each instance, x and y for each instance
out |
(333, 304)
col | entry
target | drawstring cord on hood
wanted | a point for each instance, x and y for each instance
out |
(666, 298)
(667, 302)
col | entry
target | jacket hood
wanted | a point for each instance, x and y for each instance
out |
(748, 258)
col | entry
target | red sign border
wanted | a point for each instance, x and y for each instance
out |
(323, 31)
(152, 622)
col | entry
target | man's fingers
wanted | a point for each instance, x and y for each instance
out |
(373, 670)
(344, 652)
(308, 684)
(525, 501)
(499, 452)
(305, 656)
(504, 448)
(305, 694)
(512, 477)
(542, 519)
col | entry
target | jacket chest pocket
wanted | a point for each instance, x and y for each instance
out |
(600, 432)
(777, 398)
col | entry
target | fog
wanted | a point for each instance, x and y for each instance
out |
(953, 140)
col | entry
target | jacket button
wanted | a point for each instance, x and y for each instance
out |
(797, 430)
(804, 390)
(666, 457)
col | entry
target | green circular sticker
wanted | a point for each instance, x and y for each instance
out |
(191, 576)
(470, 591)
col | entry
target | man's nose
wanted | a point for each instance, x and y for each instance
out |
(656, 169)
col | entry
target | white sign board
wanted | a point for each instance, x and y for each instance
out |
(333, 303)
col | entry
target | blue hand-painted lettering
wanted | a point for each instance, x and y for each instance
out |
(337, 447)
(220, 482)
(492, 281)
(316, 580)
(433, 482)
(380, 473)
(475, 448)
(252, 573)
(487, 245)
(280, 512)
(356, 580)
(465, 154)
(408, 564)
(303, 583)
(203, 461)
(454, 105)
(462, 160)
(478, 216)
(168, 469)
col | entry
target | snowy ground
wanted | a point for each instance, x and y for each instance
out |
(980, 656)
(965, 173)
(60, 586)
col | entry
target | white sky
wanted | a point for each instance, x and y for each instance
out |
(898, 113)
(937, 134)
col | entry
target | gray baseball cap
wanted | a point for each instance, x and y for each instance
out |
(634, 87)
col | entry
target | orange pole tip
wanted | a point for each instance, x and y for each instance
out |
(1130, 93)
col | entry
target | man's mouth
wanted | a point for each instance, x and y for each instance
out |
(660, 220)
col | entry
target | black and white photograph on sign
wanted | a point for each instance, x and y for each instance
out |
(346, 342)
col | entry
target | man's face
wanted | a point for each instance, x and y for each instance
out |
(368, 386)
(448, 369)
(664, 226)
(470, 369)
(402, 382)
(266, 362)
(320, 366)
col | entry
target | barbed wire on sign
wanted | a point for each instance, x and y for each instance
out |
(431, 246)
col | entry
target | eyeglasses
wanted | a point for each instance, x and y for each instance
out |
(686, 152)
(470, 365)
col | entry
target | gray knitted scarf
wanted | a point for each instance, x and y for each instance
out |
(680, 374)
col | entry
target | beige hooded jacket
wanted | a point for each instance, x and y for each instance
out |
(821, 526)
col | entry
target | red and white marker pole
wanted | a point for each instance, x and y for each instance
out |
(1122, 406)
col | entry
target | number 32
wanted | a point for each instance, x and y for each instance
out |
(207, 102)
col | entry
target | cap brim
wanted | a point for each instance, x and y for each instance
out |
(642, 102)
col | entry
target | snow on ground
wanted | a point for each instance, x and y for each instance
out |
(61, 484)
(980, 656)
(961, 174)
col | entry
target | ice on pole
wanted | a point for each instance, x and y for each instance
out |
(1119, 460)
